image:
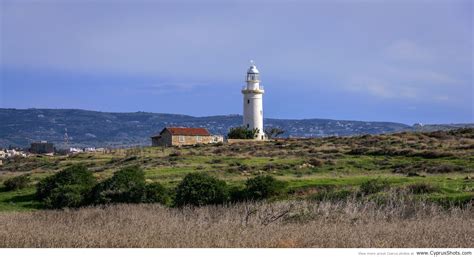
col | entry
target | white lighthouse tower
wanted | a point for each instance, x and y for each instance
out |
(253, 105)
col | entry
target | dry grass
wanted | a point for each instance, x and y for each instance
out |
(283, 224)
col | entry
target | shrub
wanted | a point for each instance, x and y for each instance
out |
(316, 162)
(332, 195)
(421, 188)
(156, 193)
(200, 189)
(274, 132)
(242, 133)
(263, 186)
(175, 154)
(237, 193)
(17, 182)
(125, 186)
(67, 188)
(445, 168)
(372, 186)
(432, 154)
(65, 196)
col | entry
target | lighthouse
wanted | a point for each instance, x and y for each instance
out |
(253, 102)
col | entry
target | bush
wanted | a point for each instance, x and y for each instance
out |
(332, 195)
(372, 186)
(67, 188)
(17, 182)
(200, 189)
(316, 162)
(156, 193)
(242, 133)
(262, 187)
(421, 188)
(65, 196)
(237, 194)
(125, 186)
(175, 154)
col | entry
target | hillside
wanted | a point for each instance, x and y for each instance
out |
(104, 129)
(91, 128)
(442, 162)
(332, 190)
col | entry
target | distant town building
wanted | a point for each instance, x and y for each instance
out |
(42, 147)
(5, 154)
(184, 136)
(75, 150)
(253, 102)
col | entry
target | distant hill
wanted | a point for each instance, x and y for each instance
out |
(90, 128)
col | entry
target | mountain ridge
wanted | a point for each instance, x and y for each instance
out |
(88, 128)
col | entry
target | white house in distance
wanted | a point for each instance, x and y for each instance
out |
(253, 102)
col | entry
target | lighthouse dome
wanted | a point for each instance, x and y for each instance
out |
(253, 70)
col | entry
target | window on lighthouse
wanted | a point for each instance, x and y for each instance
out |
(248, 101)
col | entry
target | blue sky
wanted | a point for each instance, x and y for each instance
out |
(403, 61)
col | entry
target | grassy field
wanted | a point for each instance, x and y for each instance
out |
(278, 224)
(442, 160)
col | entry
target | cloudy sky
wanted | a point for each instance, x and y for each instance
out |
(403, 61)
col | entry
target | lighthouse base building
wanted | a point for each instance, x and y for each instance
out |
(253, 102)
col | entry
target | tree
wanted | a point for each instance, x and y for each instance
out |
(273, 132)
(243, 133)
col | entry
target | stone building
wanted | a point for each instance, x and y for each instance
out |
(184, 136)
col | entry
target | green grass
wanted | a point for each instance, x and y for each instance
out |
(20, 200)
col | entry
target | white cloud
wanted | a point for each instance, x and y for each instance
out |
(171, 87)
(408, 51)
(422, 75)
(372, 86)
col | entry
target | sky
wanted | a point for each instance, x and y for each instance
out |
(401, 61)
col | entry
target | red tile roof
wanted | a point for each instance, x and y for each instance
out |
(187, 131)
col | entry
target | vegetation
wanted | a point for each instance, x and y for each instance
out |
(280, 224)
(125, 186)
(242, 133)
(200, 189)
(156, 193)
(274, 132)
(422, 188)
(372, 186)
(399, 190)
(329, 168)
(67, 188)
(17, 182)
(262, 187)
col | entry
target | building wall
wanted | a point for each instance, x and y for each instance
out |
(164, 140)
(191, 140)
(253, 107)
(253, 112)
(167, 139)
